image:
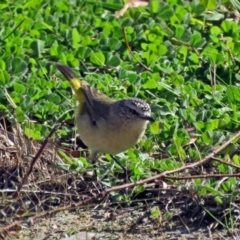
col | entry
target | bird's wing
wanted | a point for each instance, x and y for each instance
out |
(98, 103)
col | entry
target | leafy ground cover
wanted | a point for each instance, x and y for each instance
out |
(180, 56)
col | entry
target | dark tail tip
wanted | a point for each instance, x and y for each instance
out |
(65, 70)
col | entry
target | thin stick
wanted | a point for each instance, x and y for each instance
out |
(39, 153)
(227, 163)
(129, 49)
(204, 176)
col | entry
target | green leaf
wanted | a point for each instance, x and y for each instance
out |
(209, 4)
(2, 65)
(62, 6)
(162, 49)
(53, 97)
(229, 26)
(155, 128)
(151, 84)
(196, 39)
(165, 12)
(86, 41)
(115, 44)
(233, 94)
(3, 108)
(179, 31)
(38, 47)
(19, 114)
(69, 160)
(218, 199)
(152, 37)
(236, 160)
(215, 30)
(215, 16)
(107, 5)
(114, 61)
(3, 5)
(4, 77)
(54, 50)
(32, 133)
(97, 58)
(154, 6)
(20, 88)
(155, 212)
(19, 66)
(75, 38)
(43, 25)
(194, 58)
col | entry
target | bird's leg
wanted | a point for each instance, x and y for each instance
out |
(123, 168)
(93, 159)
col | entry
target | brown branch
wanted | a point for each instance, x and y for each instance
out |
(129, 49)
(204, 176)
(9, 227)
(83, 203)
(39, 153)
(227, 163)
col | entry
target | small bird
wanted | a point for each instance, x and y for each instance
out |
(104, 124)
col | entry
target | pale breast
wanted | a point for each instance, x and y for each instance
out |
(109, 138)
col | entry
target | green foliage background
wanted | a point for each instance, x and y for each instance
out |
(191, 77)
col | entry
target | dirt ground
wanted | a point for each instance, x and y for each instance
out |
(83, 224)
(167, 214)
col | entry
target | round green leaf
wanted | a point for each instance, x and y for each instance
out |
(37, 47)
(233, 94)
(19, 66)
(54, 98)
(97, 58)
(18, 87)
(114, 61)
(155, 128)
(4, 77)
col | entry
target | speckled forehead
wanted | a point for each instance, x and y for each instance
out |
(141, 104)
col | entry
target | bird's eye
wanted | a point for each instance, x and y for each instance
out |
(134, 112)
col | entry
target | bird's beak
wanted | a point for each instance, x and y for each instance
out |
(150, 119)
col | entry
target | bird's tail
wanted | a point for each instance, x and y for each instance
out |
(66, 71)
(74, 81)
